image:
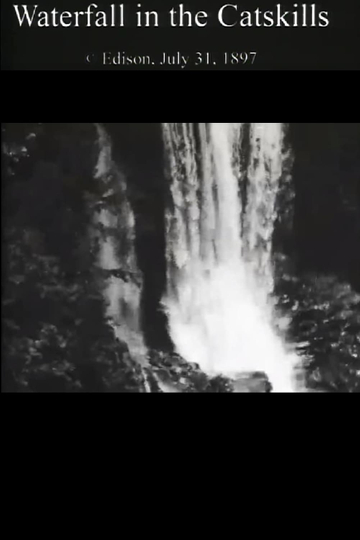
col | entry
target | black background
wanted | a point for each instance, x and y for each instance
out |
(296, 76)
(335, 47)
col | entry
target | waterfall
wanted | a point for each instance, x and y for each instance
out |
(264, 172)
(219, 248)
(114, 219)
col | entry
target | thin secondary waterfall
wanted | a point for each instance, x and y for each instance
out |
(264, 172)
(115, 219)
(219, 247)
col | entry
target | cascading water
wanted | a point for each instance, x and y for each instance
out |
(116, 255)
(219, 246)
(264, 173)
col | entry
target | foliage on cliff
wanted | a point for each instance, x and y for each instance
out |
(55, 334)
(324, 316)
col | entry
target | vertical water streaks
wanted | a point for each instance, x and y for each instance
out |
(219, 253)
(264, 173)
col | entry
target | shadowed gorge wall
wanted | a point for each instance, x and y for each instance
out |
(327, 187)
(139, 151)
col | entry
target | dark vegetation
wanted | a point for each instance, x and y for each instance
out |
(55, 336)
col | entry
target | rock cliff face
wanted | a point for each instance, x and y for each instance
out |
(114, 225)
(138, 148)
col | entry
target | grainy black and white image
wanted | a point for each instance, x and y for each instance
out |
(181, 258)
